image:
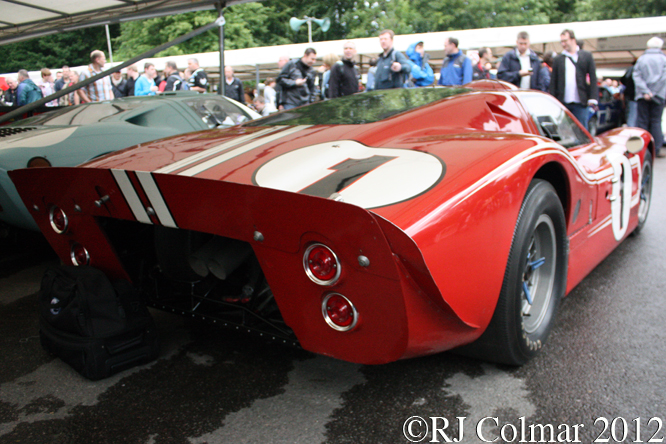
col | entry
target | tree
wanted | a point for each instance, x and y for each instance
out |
(244, 28)
(616, 9)
(71, 48)
(367, 18)
(267, 24)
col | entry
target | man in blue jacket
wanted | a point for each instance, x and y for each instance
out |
(145, 85)
(456, 67)
(422, 73)
(27, 91)
(522, 66)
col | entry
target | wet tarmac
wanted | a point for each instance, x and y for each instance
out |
(601, 375)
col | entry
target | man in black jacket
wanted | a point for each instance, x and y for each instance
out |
(132, 75)
(118, 85)
(11, 95)
(174, 82)
(233, 87)
(577, 91)
(344, 77)
(296, 81)
(522, 67)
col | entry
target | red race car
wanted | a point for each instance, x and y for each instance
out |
(369, 228)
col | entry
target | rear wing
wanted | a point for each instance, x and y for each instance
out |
(383, 271)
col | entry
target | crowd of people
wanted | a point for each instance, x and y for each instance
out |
(22, 90)
(569, 76)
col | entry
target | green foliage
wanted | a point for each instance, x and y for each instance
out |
(367, 18)
(615, 9)
(267, 24)
(71, 48)
(245, 27)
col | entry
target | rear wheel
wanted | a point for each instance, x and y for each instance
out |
(534, 281)
(646, 192)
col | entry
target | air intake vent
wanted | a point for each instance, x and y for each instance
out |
(6, 131)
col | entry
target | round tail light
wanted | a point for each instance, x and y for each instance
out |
(79, 255)
(321, 264)
(58, 219)
(339, 313)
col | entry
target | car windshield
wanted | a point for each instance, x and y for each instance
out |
(79, 115)
(552, 120)
(216, 111)
(367, 107)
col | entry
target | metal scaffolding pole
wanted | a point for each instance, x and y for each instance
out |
(220, 7)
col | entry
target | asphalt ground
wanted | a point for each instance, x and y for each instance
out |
(601, 376)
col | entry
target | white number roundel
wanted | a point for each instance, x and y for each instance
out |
(360, 175)
(620, 194)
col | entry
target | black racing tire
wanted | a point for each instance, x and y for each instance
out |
(592, 126)
(519, 329)
(645, 192)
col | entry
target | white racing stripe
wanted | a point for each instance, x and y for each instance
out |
(237, 152)
(130, 195)
(156, 199)
(209, 152)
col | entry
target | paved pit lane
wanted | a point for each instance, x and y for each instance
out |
(602, 375)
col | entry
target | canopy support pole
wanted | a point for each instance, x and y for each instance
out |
(220, 6)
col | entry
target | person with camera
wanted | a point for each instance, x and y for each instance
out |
(522, 66)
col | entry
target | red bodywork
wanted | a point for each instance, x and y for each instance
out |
(436, 260)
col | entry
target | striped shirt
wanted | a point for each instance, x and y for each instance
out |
(99, 90)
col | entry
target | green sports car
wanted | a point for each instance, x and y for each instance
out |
(73, 135)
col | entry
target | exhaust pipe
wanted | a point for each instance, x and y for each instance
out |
(221, 256)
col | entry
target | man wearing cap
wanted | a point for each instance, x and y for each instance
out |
(650, 79)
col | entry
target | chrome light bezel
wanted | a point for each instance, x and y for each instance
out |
(330, 322)
(311, 275)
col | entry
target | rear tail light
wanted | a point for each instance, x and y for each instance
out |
(79, 255)
(58, 219)
(339, 313)
(321, 264)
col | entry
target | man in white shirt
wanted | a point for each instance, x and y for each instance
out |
(262, 106)
(574, 78)
(269, 91)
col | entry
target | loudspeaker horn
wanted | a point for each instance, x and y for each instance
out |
(324, 23)
(296, 23)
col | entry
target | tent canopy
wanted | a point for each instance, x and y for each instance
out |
(615, 44)
(26, 19)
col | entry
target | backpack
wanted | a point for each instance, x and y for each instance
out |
(390, 76)
(459, 61)
(96, 327)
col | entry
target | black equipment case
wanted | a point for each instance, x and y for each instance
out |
(96, 327)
